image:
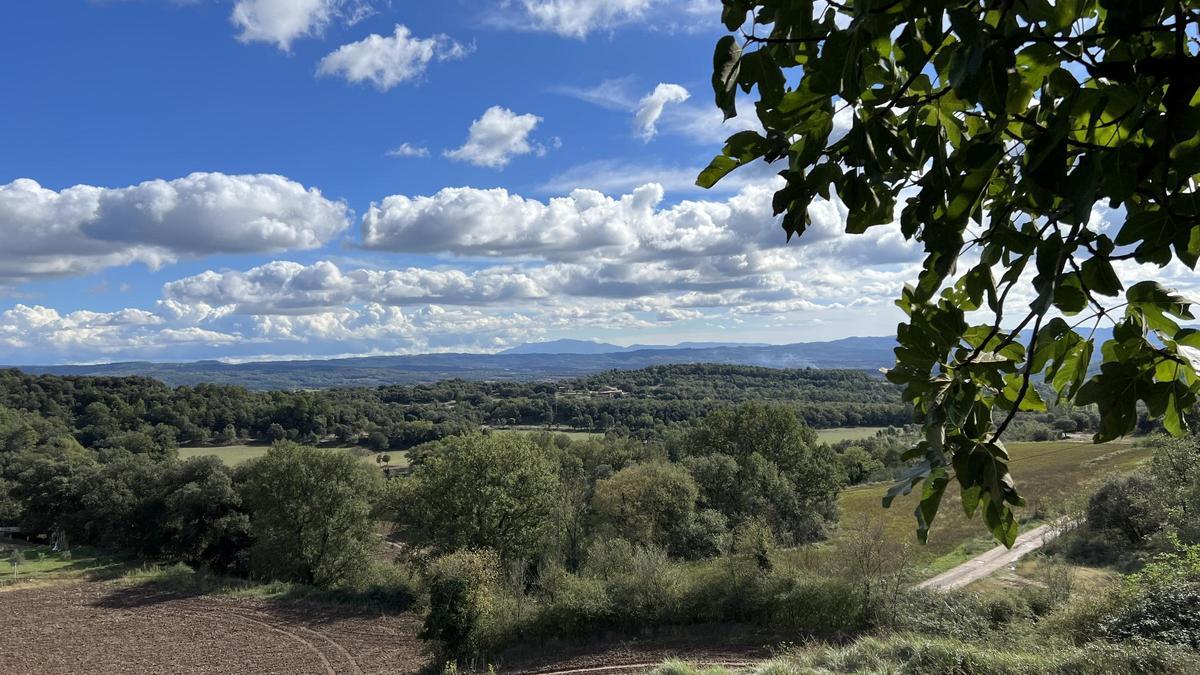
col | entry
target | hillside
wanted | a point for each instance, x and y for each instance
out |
(858, 353)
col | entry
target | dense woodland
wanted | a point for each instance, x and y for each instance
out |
(144, 415)
(106, 411)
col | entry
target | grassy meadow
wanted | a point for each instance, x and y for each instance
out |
(233, 455)
(1055, 471)
(43, 564)
(846, 434)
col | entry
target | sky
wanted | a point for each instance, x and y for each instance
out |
(265, 179)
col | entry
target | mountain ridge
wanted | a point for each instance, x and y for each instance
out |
(570, 346)
(862, 353)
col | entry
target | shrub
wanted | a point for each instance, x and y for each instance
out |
(575, 606)
(1168, 613)
(1004, 608)
(1119, 504)
(459, 587)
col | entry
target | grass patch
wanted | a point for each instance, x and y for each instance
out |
(929, 655)
(573, 434)
(42, 564)
(846, 434)
(230, 455)
(233, 455)
(388, 587)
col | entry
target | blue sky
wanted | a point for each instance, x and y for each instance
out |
(291, 178)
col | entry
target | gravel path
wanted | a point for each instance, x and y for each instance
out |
(983, 565)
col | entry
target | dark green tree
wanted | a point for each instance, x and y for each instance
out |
(758, 461)
(991, 130)
(498, 491)
(310, 514)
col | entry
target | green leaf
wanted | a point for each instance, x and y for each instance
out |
(741, 148)
(726, 70)
(931, 498)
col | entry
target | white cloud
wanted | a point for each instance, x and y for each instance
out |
(578, 18)
(585, 224)
(282, 288)
(408, 150)
(700, 123)
(388, 61)
(612, 94)
(83, 228)
(650, 108)
(494, 139)
(45, 330)
(281, 22)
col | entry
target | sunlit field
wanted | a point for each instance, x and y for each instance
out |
(847, 434)
(1054, 471)
(233, 455)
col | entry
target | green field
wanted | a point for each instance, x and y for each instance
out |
(232, 455)
(42, 563)
(846, 434)
(573, 434)
(1050, 474)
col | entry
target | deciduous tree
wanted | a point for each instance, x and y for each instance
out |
(992, 131)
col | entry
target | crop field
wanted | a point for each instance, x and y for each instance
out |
(1054, 471)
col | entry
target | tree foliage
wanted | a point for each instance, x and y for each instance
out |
(310, 514)
(991, 130)
(498, 491)
(757, 461)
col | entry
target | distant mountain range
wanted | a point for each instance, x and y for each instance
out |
(536, 361)
(567, 346)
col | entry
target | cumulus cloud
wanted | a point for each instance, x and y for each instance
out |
(650, 108)
(281, 22)
(408, 150)
(590, 225)
(94, 333)
(84, 228)
(578, 18)
(388, 61)
(585, 261)
(283, 287)
(494, 139)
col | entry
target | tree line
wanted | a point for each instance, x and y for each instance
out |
(145, 415)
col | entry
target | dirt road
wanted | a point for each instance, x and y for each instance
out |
(983, 565)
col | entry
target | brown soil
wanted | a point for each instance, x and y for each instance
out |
(103, 627)
(109, 627)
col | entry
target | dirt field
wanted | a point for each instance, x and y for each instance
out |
(109, 627)
(103, 627)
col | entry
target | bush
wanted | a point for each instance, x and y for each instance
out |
(459, 588)
(1005, 608)
(1168, 613)
(575, 607)
(1120, 505)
